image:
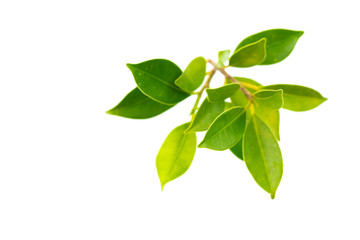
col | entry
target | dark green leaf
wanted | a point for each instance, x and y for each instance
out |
(269, 98)
(226, 130)
(223, 57)
(155, 78)
(176, 154)
(206, 114)
(193, 75)
(138, 106)
(221, 93)
(249, 55)
(298, 98)
(262, 155)
(237, 150)
(280, 43)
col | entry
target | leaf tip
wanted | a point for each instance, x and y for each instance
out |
(272, 195)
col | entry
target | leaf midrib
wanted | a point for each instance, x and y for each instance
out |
(221, 129)
(159, 79)
(262, 155)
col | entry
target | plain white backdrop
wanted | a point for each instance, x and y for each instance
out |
(70, 171)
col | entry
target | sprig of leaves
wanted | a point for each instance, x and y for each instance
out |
(248, 125)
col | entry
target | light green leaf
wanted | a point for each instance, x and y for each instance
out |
(176, 154)
(155, 78)
(280, 43)
(262, 155)
(138, 106)
(239, 98)
(206, 114)
(237, 149)
(249, 55)
(298, 98)
(249, 84)
(269, 98)
(226, 130)
(228, 105)
(271, 117)
(223, 57)
(193, 75)
(222, 93)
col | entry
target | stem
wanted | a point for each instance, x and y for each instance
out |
(206, 85)
(228, 76)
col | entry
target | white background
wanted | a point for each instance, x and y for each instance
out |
(70, 171)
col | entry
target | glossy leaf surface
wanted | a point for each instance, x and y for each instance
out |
(206, 114)
(269, 98)
(298, 98)
(226, 130)
(262, 155)
(193, 75)
(136, 105)
(237, 149)
(155, 78)
(176, 154)
(279, 45)
(249, 55)
(221, 93)
(223, 57)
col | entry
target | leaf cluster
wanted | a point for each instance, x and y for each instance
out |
(242, 115)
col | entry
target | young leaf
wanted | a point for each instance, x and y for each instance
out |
(262, 155)
(280, 43)
(249, 55)
(222, 93)
(237, 150)
(155, 78)
(193, 75)
(226, 130)
(136, 105)
(206, 114)
(298, 98)
(269, 98)
(223, 57)
(176, 154)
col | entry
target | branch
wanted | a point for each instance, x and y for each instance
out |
(206, 85)
(222, 70)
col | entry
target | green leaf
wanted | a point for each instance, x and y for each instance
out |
(138, 106)
(280, 43)
(269, 98)
(228, 105)
(193, 75)
(237, 150)
(176, 154)
(226, 130)
(262, 155)
(239, 98)
(222, 93)
(249, 84)
(298, 98)
(155, 78)
(223, 57)
(249, 55)
(271, 117)
(206, 114)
